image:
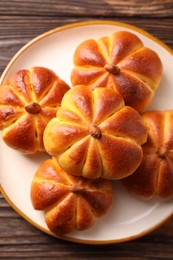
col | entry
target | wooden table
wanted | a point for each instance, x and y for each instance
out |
(21, 21)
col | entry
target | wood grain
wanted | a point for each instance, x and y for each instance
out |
(21, 21)
(78, 8)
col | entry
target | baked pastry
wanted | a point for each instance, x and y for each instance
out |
(95, 135)
(70, 202)
(28, 100)
(154, 176)
(121, 62)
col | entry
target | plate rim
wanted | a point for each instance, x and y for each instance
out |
(84, 23)
(12, 61)
(78, 240)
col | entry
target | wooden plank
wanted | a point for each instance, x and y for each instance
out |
(78, 8)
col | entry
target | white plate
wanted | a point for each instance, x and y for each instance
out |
(129, 218)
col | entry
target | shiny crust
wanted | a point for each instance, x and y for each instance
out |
(136, 71)
(28, 100)
(154, 177)
(70, 202)
(95, 135)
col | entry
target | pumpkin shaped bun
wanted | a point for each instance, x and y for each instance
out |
(70, 202)
(28, 100)
(121, 62)
(154, 176)
(95, 135)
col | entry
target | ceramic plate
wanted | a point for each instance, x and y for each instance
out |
(129, 218)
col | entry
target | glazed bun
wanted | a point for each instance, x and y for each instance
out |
(70, 202)
(121, 62)
(154, 176)
(95, 135)
(28, 100)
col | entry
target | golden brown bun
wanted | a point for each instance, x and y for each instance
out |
(70, 202)
(154, 177)
(95, 135)
(28, 100)
(121, 62)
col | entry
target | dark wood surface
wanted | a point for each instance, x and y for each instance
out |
(21, 21)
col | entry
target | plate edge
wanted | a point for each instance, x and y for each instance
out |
(78, 240)
(84, 23)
